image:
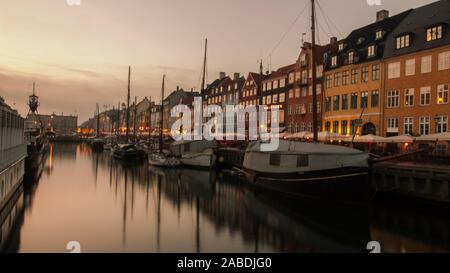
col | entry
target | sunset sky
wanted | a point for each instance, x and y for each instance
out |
(78, 55)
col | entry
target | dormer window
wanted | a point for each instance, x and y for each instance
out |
(341, 46)
(403, 41)
(334, 61)
(351, 57)
(371, 51)
(434, 33)
(379, 34)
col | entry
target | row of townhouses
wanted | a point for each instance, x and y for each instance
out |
(388, 78)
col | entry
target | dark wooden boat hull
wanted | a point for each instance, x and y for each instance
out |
(350, 186)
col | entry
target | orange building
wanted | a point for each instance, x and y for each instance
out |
(353, 79)
(417, 58)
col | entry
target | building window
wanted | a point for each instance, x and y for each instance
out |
(441, 149)
(335, 126)
(425, 96)
(319, 71)
(424, 126)
(410, 67)
(334, 61)
(329, 81)
(310, 107)
(282, 83)
(379, 34)
(319, 107)
(409, 97)
(408, 126)
(304, 92)
(353, 126)
(341, 46)
(375, 98)
(310, 127)
(393, 99)
(354, 101)
(269, 100)
(336, 103)
(365, 74)
(364, 99)
(426, 64)
(351, 57)
(327, 126)
(403, 41)
(345, 102)
(392, 125)
(434, 33)
(297, 92)
(275, 99)
(375, 72)
(344, 127)
(337, 79)
(444, 61)
(345, 78)
(371, 51)
(291, 93)
(303, 128)
(327, 104)
(355, 75)
(282, 98)
(394, 70)
(441, 124)
(442, 94)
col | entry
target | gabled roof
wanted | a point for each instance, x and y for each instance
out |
(360, 39)
(281, 72)
(416, 24)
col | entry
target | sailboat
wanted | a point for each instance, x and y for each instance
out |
(162, 158)
(196, 153)
(310, 170)
(98, 143)
(127, 150)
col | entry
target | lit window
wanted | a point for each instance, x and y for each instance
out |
(394, 70)
(378, 35)
(442, 94)
(409, 97)
(425, 96)
(371, 51)
(434, 33)
(403, 41)
(393, 99)
(334, 61)
(444, 61)
(410, 67)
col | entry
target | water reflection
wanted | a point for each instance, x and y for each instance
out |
(109, 206)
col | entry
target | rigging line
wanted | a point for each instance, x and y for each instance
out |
(287, 31)
(330, 20)
(326, 21)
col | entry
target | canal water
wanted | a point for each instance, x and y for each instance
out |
(109, 206)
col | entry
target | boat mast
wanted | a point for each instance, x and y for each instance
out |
(98, 120)
(204, 67)
(128, 106)
(135, 118)
(314, 72)
(118, 119)
(162, 117)
(149, 118)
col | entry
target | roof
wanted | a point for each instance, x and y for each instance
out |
(416, 24)
(281, 72)
(360, 39)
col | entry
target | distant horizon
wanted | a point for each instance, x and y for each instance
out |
(79, 55)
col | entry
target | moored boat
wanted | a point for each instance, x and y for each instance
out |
(126, 152)
(196, 153)
(310, 170)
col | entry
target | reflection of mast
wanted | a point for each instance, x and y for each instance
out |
(197, 216)
(124, 229)
(132, 193)
(161, 117)
(128, 105)
(158, 217)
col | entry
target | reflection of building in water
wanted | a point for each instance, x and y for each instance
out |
(10, 217)
(262, 223)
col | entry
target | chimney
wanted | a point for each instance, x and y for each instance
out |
(237, 76)
(382, 14)
(178, 88)
(222, 75)
(333, 40)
